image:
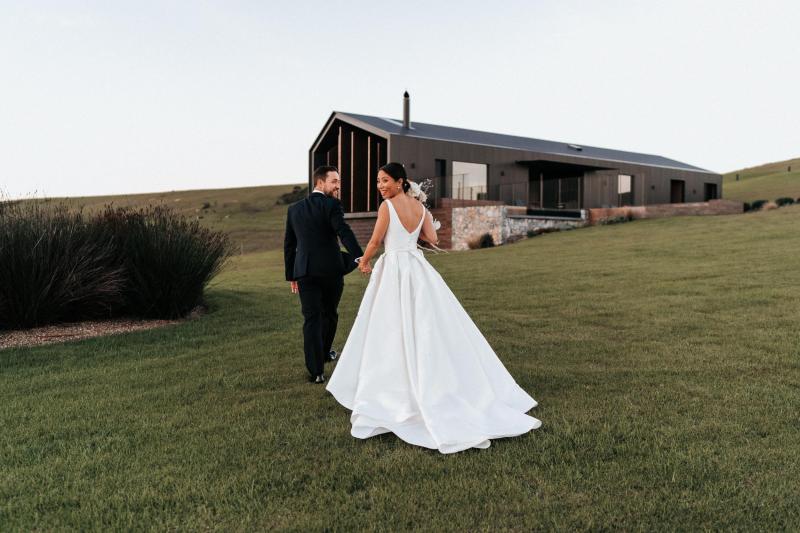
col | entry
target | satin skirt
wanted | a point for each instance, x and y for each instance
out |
(416, 365)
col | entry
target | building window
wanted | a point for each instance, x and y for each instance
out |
(554, 192)
(469, 181)
(569, 193)
(710, 191)
(440, 168)
(624, 189)
(677, 191)
(535, 196)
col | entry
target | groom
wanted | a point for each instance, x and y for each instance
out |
(315, 266)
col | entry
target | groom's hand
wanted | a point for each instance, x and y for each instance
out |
(293, 284)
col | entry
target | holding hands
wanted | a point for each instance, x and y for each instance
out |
(364, 266)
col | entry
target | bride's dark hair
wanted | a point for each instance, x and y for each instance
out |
(398, 172)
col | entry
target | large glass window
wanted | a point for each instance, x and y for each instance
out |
(569, 197)
(469, 181)
(555, 193)
(624, 190)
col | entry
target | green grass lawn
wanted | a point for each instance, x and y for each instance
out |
(664, 354)
(765, 182)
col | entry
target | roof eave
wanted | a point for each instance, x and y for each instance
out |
(344, 117)
(361, 124)
(594, 158)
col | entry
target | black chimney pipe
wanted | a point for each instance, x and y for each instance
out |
(406, 111)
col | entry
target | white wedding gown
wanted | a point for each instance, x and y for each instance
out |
(416, 365)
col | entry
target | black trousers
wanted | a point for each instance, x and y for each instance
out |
(319, 298)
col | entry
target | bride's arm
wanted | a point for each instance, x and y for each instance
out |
(428, 232)
(381, 225)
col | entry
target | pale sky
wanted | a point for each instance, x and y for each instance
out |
(112, 97)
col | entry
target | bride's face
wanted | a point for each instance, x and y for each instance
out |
(387, 186)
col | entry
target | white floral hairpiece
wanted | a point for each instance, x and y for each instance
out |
(415, 190)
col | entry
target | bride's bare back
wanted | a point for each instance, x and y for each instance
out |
(409, 210)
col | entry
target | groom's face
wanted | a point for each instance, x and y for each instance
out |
(330, 186)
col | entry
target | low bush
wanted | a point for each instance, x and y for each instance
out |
(746, 207)
(58, 265)
(614, 220)
(785, 200)
(481, 241)
(296, 194)
(168, 260)
(757, 204)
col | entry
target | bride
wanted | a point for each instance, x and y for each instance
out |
(414, 363)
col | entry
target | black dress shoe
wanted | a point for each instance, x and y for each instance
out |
(332, 355)
(317, 379)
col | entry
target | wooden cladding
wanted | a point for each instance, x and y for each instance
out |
(358, 154)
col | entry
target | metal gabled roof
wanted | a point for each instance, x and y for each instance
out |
(422, 130)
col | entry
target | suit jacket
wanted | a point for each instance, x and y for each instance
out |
(311, 246)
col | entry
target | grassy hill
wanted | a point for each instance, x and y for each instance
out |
(255, 222)
(764, 182)
(248, 214)
(665, 365)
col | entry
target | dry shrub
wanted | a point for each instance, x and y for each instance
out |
(481, 241)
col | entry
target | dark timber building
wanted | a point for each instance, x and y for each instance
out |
(471, 166)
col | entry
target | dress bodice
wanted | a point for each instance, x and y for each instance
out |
(397, 237)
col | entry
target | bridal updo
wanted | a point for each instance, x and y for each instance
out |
(397, 173)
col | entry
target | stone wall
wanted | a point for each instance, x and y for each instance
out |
(502, 222)
(519, 225)
(712, 207)
(465, 220)
(472, 222)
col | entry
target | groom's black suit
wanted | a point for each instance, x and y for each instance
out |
(312, 257)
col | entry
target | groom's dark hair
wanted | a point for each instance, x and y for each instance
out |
(322, 172)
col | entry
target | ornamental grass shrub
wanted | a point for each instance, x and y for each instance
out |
(168, 260)
(58, 265)
(55, 266)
